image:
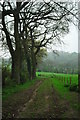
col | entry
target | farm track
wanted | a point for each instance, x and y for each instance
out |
(62, 107)
(14, 104)
(22, 109)
(39, 101)
(51, 106)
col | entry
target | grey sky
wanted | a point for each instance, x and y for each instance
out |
(70, 40)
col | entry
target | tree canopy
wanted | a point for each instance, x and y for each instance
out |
(32, 25)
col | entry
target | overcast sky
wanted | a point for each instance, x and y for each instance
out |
(70, 40)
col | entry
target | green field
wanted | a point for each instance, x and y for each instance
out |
(58, 83)
(55, 78)
(74, 77)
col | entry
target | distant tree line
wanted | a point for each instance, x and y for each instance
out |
(64, 62)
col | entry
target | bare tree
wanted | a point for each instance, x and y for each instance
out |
(50, 20)
(8, 10)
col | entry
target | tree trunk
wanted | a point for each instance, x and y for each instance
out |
(27, 57)
(33, 57)
(34, 72)
(29, 67)
(16, 69)
(33, 65)
(16, 57)
(15, 54)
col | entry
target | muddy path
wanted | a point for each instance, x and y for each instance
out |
(15, 103)
(62, 107)
(46, 103)
(39, 101)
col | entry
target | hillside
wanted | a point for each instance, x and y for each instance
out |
(63, 62)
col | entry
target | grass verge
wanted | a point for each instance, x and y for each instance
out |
(10, 90)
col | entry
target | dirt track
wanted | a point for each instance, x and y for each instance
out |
(14, 104)
(39, 101)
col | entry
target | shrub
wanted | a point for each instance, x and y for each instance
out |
(6, 74)
(39, 74)
(66, 85)
(24, 76)
(73, 87)
(52, 77)
(77, 90)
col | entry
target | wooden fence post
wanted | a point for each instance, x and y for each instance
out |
(67, 80)
(70, 80)
(64, 80)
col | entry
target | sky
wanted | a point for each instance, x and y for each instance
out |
(70, 40)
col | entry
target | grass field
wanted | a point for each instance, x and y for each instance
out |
(58, 83)
(74, 77)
